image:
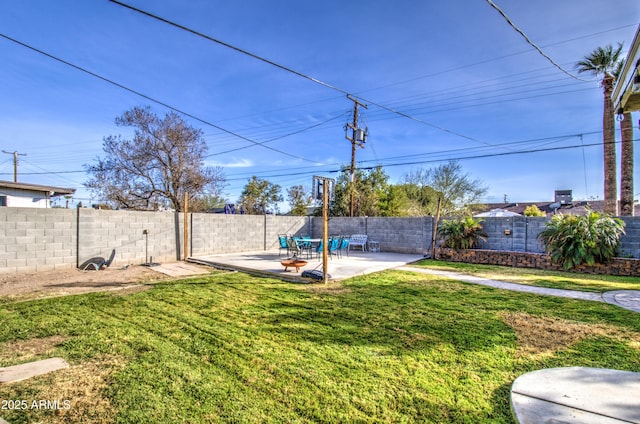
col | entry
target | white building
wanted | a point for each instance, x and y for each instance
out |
(30, 195)
(626, 93)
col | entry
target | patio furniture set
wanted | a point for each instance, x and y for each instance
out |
(299, 246)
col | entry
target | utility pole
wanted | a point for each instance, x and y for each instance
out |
(326, 185)
(186, 226)
(357, 138)
(15, 163)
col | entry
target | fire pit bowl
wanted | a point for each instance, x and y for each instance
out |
(293, 263)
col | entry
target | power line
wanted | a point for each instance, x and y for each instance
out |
(45, 173)
(528, 40)
(168, 106)
(435, 105)
(459, 68)
(483, 156)
(231, 46)
(280, 137)
(292, 71)
(408, 163)
(545, 140)
(489, 155)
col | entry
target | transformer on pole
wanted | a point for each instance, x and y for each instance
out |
(357, 138)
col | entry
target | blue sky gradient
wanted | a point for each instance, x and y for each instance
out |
(475, 89)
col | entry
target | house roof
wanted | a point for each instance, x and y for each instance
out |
(497, 212)
(54, 191)
(573, 208)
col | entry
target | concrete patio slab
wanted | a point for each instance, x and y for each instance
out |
(267, 263)
(576, 395)
(179, 269)
(31, 369)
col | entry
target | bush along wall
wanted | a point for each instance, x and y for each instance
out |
(616, 266)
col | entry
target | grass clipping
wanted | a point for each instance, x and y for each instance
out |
(544, 336)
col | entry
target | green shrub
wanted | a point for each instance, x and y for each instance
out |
(574, 240)
(463, 233)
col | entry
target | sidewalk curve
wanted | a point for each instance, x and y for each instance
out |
(627, 299)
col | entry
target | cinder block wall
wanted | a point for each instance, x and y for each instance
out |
(45, 239)
(219, 233)
(36, 239)
(515, 234)
(395, 234)
(630, 242)
(100, 231)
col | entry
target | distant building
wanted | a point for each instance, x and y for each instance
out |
(563, 203)
(30, 195)
(550, 208)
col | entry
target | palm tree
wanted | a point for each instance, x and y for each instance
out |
(602, 62)
(626, 157)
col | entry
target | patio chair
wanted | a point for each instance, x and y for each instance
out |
(334, 246)
(282, 240)
(333, 243)
(98, 262)
(292, 247)
(319, 249)
(344, 246)
(305, 245)
(358, 240)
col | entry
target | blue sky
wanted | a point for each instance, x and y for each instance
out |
(472, 85)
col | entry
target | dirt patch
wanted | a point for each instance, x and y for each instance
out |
(546, 335)
(27, 350)
(80, 393)
(75, 281)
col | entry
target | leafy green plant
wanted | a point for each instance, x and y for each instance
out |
(533, 210)
(588, 239)
(462, 233)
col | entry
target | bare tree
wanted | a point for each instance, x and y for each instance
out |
(459, 191)
(163, 161)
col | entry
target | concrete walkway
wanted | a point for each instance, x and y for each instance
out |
(23, 371)
(627, 299)
(576, 395)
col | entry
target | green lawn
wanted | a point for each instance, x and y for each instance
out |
(390, 347)
(535, 277)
